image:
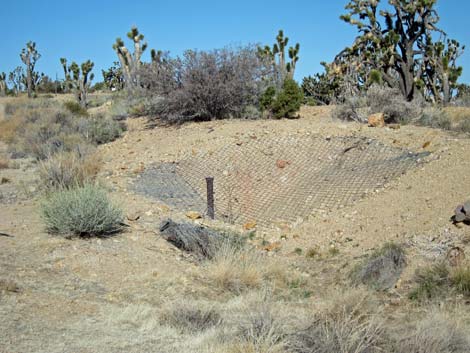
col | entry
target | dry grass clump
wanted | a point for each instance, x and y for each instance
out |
(350, 322)
(460, 279)
(42, 128)
(437, 332)
(439, 280)
(4, 164)
(190, 316)
(67, 170)
(238, 269)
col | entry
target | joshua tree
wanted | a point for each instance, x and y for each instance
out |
(3, 84)
(16, 78)
(113, 77)
(395, 45)
(277, 56)
(78, 78)
(29, 56)
(130, 63)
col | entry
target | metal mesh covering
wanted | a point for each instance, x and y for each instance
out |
(280, 180)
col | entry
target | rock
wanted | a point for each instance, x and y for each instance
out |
(281, 164)
(193, 215)
(133, 216)
(376, 120)
(249, 225)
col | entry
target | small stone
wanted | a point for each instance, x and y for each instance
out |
(249, 225)
(193, 215)
(134, 216)
(281, 164)
(376, 120)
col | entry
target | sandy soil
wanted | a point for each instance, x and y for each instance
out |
(59, 295)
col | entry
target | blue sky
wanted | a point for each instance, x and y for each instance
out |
(86, 29)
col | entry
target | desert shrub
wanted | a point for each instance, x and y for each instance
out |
(288, 101)
(353, 108)
(4, 164)
(463, 125)
(431, 282)
(379, 99)
(236, 269)
(68, 170)
(460, 280)
(347, 324)
(435, 333)
(383, 268)
(82, 211)
(100, 130)
(75, 108)
(190, 316)
(436, 118)
(206, 85)
(267, 98)
(390, 101)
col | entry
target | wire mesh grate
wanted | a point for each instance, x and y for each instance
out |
(280, 180)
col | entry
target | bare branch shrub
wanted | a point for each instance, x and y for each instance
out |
(205, 85)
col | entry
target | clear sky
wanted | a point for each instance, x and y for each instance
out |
(86, 29)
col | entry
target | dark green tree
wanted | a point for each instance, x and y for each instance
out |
(29, 56)
(288, 101)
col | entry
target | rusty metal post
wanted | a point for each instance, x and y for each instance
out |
(210, 197)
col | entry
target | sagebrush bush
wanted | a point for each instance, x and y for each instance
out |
(68, 170)
(75, 108)
(436, 118)
(437, 332)
(100, 130)
(383, 268)
(82, 211)
(379, 99)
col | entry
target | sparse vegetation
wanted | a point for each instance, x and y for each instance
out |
(67, 170)
(81, 211)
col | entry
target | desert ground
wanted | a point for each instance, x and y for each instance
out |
(125, 293)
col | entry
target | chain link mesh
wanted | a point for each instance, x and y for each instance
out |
(281, 180)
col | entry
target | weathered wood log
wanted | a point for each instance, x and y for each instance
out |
(192, 238)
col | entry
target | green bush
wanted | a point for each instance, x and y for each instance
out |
(100, 130)
(431, 282)
(460, 280)
(267, 98)
(83, 211)
(75, 108)
(288, 101)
